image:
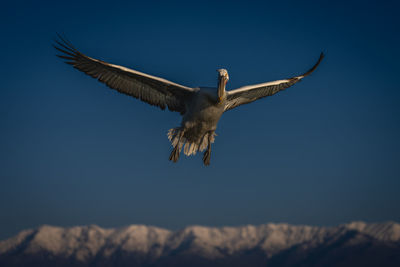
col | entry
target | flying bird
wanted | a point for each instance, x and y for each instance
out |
(200, 107)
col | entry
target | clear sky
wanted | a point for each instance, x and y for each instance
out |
(323, 152)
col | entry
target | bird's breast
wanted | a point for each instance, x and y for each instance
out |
(204, 109)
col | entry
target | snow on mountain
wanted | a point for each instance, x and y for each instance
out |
(149, 244)
(389, 231)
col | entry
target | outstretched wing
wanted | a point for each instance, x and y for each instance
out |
(250, 93)
(150, 89)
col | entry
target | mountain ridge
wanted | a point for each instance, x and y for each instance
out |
(141, 245)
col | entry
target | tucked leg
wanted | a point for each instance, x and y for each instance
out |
(207, 154)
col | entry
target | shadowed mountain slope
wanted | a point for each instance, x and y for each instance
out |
(354, 244)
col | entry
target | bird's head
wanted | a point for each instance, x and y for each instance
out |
(223, 74)
(223, 78)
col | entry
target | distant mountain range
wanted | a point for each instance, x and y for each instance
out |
(353, 244)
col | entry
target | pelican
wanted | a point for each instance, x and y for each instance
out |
(200, 107)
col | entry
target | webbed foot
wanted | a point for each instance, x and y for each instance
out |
(175, 154)
(207, 157)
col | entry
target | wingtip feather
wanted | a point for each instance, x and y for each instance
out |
(321, 56)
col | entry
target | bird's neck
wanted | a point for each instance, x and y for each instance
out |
(221, 88)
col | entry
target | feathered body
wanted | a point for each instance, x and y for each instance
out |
(201, 107)
(199, 122)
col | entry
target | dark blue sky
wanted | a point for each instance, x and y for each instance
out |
(323, 152)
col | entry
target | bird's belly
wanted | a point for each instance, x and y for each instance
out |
(209, 115)
(198, 123)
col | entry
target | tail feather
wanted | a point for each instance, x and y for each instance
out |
(190, 148)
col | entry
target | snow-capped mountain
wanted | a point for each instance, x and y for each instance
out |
(353, 244)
